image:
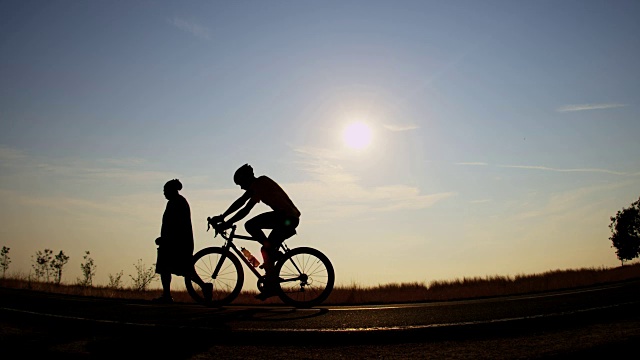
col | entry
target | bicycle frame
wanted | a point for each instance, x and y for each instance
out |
(305, 275)
(230, 245)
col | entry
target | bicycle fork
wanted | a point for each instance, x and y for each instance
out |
(225, 252)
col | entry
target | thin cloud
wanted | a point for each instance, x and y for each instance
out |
(191, 27)
(8, 154)
(398, 128)
(565, 203)
(333, 192)
(126, 161)
(126, 169)
(586, 107)
(81, 171)
(472, 163)
(545, 168)
(322, 165)
(482, 201)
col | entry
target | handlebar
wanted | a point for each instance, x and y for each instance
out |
(216, 227)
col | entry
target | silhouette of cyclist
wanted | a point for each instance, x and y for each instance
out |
(282, 220)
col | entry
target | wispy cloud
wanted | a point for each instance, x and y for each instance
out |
(8, 154)
(546, 168)
(323, 165)
(133, 170)
(126, 162)
(398, 127)
(138, 206)
(567, 203)
(333, 192)
(586, 107)
(472, 163)
(191, 27)
(481, 201)
(80, 171)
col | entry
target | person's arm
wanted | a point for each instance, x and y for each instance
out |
(237, 204)
(233, 208)
(242, 212)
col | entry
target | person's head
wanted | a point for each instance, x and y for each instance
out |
(171, 188)
(244, 176)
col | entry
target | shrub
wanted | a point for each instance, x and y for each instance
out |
(144, 276)
(4, 260)
(88, 268)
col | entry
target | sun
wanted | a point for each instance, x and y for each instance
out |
(357, 135)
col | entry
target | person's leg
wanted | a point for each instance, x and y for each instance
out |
(255, 225)
(193, 276)
(267, 256)
(165, 279)
(284, 227)
(163, 268)
(207, 288)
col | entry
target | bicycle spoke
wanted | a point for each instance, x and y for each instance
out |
(308, 277)
(227, 282)
(317, 266)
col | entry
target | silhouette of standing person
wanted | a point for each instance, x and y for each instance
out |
(175, 244)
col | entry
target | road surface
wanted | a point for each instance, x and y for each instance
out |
(598, 320)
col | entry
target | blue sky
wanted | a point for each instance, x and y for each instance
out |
(504, 133)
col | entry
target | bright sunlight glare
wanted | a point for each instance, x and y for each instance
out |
(357, 135)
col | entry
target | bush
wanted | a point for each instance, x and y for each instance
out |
(144, 276)
(88, 268)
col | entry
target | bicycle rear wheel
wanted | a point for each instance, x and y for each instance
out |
(306, 277)
(226, 285)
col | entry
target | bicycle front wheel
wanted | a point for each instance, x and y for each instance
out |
(306, 277)
(226, 284)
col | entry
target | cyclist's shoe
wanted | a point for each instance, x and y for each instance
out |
(207, 292)
(265, 295)
(276, 256)
(268, 291)
(163, 300)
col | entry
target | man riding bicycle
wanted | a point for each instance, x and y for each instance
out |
(282, 220)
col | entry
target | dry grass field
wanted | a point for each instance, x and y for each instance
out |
(354, 294)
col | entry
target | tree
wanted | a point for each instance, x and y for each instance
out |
(5, 260)
(58, 262)
(88, 268)
(625, 229)
(41, 264)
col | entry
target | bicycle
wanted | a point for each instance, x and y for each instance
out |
(306, 275)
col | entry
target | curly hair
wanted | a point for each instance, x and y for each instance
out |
(174, 184)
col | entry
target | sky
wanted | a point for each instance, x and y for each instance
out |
(503, 134)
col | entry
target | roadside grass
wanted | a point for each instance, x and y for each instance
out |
(355, 294)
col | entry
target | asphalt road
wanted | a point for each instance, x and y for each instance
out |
(599, 320)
